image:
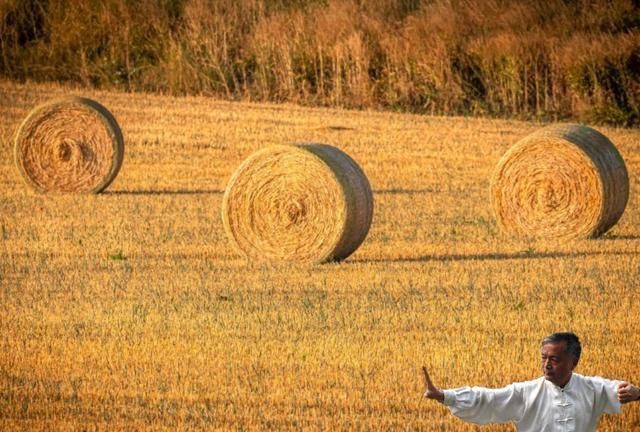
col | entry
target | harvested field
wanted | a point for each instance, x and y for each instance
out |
(130, 309)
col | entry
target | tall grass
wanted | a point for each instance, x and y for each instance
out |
(551, 59)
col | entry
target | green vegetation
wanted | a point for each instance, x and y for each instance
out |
(557, 59)
(118, 256)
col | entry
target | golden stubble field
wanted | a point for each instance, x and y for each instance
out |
(129, 310)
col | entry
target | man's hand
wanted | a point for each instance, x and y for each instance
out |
(432, 392)
(628, 392)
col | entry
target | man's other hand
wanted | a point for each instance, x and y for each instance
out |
(628, 392)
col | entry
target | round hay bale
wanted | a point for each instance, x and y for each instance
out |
(308, 203)
(563, 181)
(71, 144)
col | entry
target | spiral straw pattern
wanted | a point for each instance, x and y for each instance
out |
(563, 181)
(69, 145)
(308, 203)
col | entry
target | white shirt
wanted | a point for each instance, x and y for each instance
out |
(538, 405)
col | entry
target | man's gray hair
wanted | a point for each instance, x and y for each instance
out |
(573, 343)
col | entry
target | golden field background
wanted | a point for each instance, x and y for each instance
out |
(129, 310)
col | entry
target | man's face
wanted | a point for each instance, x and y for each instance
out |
(557, 363)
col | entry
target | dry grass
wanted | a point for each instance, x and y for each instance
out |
(552, 59)
(129, 309)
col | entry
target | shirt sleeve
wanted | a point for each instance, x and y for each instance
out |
(607, 395)
(482, 405)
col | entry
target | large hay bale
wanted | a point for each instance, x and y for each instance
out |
(563, 181)
(307, 203)
(71, 144)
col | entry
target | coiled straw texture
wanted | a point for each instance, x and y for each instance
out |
(69, 145)
(308, 203)
(563, 181)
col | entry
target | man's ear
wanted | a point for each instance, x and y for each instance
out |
(575, 363)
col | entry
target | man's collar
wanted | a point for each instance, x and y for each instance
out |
(566, 387)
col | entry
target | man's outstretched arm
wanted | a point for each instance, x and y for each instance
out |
(477, 404)
(628, 392)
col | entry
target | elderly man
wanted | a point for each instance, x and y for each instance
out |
(560, 401)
